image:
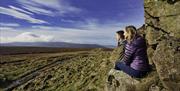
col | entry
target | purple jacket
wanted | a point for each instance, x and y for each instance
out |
(136, 54)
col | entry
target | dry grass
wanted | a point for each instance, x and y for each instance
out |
(64, 71)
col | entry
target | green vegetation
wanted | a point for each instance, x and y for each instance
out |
(64, 71)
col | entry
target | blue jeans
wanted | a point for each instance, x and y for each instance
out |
(130, 71)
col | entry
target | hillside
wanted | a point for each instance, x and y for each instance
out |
(68, 71)
(52, 44)
(15, 50)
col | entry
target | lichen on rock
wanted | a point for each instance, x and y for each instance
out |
(167, 61)
(120, 81)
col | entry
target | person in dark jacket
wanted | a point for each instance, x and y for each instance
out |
(135, 60)
(120, 38)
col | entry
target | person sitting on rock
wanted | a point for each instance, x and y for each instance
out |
(120, 38)
(118, 52)
(135, 61)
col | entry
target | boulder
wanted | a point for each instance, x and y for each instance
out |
(142, 30)
(163, 16)
(120, 81)
(150, 52)
(167, 61)
(162, 32)
(152, 35)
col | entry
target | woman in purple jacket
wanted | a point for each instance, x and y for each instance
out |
(135, 61)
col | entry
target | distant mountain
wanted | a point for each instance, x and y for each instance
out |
(109, 46)
(53, 44)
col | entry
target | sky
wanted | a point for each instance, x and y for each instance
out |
(76, 21)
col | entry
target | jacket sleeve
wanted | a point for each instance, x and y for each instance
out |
(130, 49)
(128, 54)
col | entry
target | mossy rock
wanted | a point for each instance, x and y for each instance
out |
(150, 52)
(152, 35)
(171, 25)
(123, 82)
(159, 8)
(166, 59)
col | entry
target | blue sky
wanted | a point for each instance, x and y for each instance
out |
(77, 21)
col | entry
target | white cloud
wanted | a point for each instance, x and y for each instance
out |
(69, 21)
(38, 10)
(103, 35)
(43, 27)
(60, 7)
(20, 15)
(89, 31)
(5, 28)
(9, 24)
(21, 10)
(49, 3)
(26, 37)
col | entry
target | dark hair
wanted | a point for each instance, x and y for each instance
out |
(120, 33)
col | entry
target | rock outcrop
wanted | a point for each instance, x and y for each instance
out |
(123, 82)
(162, 18)
(162, 32)
(167, 61)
